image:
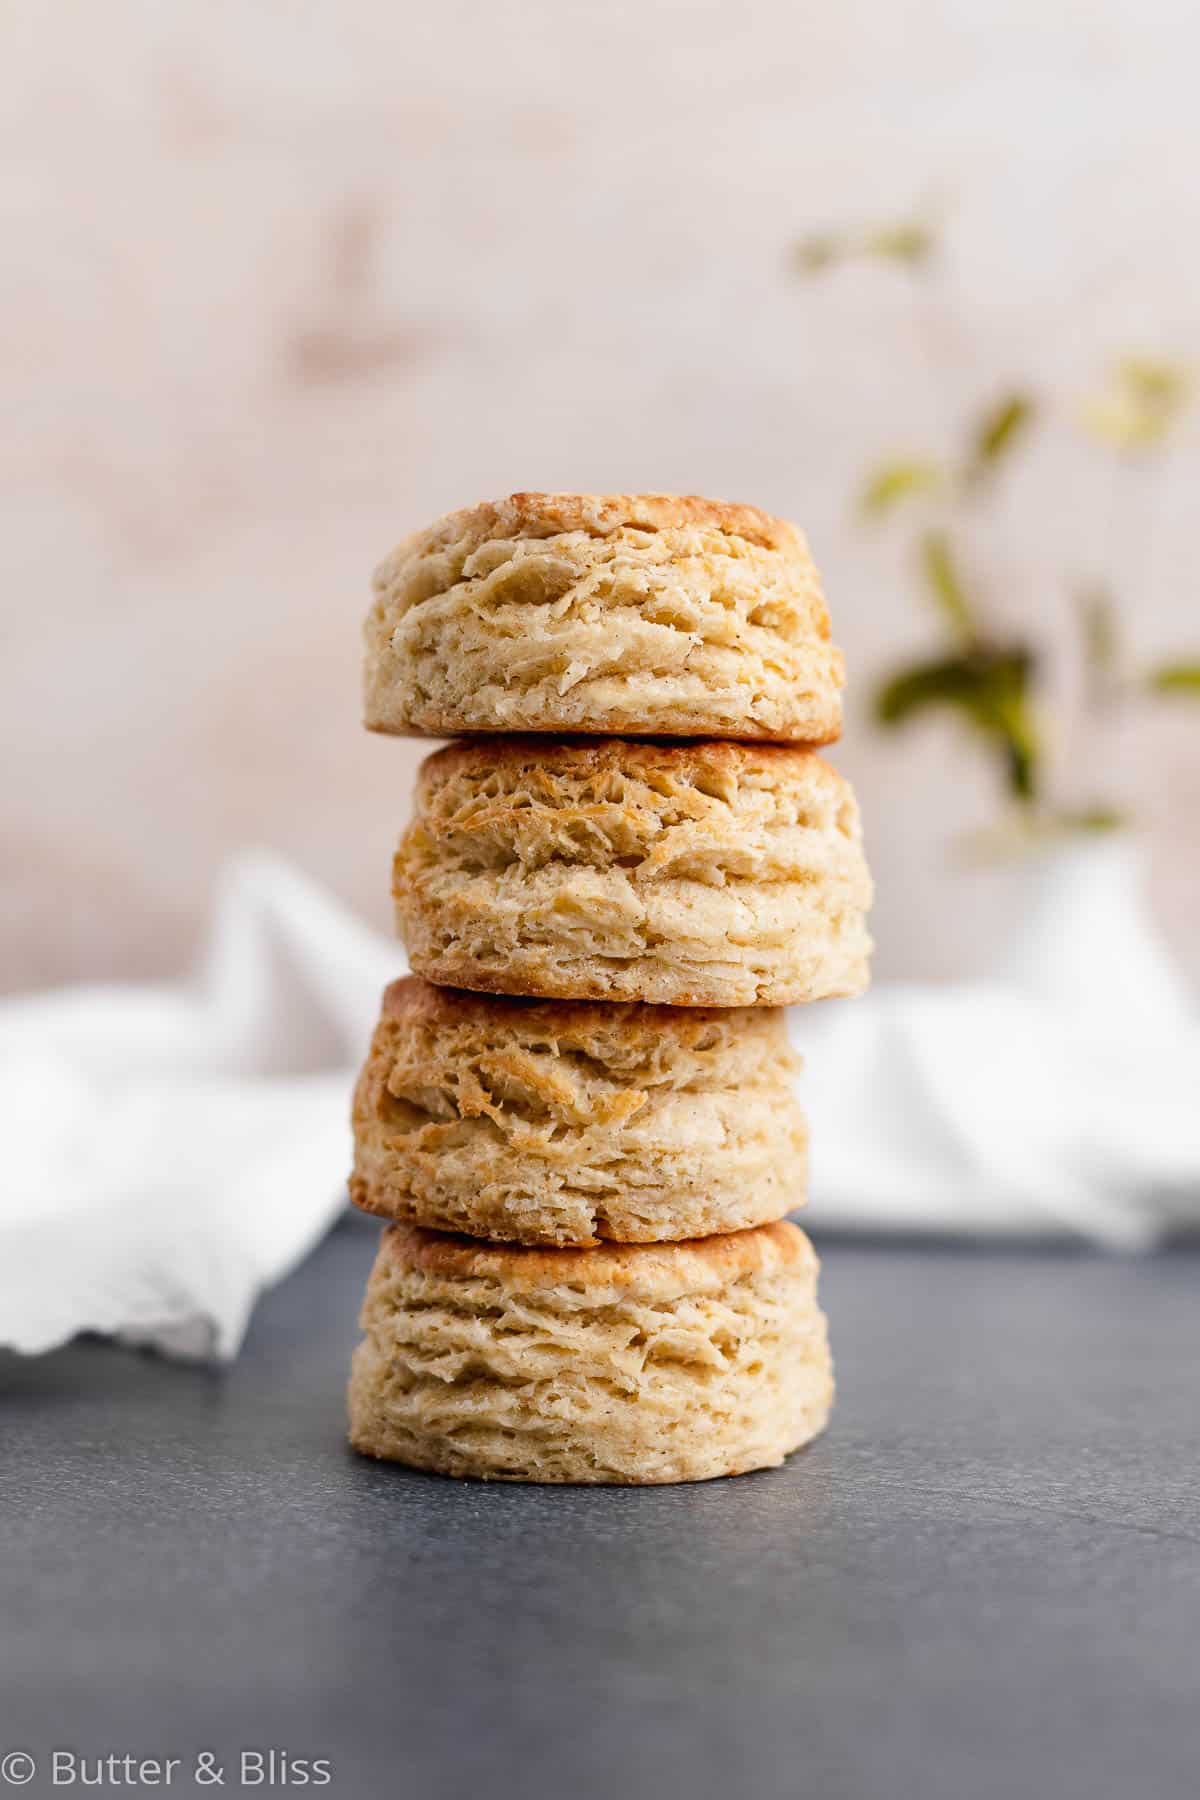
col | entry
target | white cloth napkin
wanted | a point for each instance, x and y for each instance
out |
(1060, 1095)
(172, 1150)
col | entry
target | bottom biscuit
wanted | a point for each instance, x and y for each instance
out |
(624, 1363)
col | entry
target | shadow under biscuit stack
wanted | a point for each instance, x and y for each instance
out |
(579, 1113)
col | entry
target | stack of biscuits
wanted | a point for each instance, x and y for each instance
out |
(579, 1112)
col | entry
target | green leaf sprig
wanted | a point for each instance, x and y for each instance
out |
(989, 685)
(1139, 405)
(997, 431)
(1180, 678)
(992, 436)
(1109, 676)
(891, 483)
(908, 243)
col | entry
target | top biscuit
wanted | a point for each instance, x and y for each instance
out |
(644, 615)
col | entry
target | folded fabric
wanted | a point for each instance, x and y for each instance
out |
(172, 1150)
(1058, 1096)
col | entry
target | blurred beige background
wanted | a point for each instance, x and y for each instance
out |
(284, 282)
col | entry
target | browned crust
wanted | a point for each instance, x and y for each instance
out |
(679, 1266)
(585, 756)
(535, 515)
(368, 1200)
(455, 724)
(460, 972)
(413, 996)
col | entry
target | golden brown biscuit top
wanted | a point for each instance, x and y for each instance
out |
(412, 997)
(600, 515)
(582, 756)
(695, 1265)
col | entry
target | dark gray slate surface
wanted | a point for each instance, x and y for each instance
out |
(984, 1582)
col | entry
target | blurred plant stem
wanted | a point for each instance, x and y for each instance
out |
(988, 685)
(993, 683)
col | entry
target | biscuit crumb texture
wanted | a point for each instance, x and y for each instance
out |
(560, 1122)
(705, 874)
(647, 615)
(643, 1365)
